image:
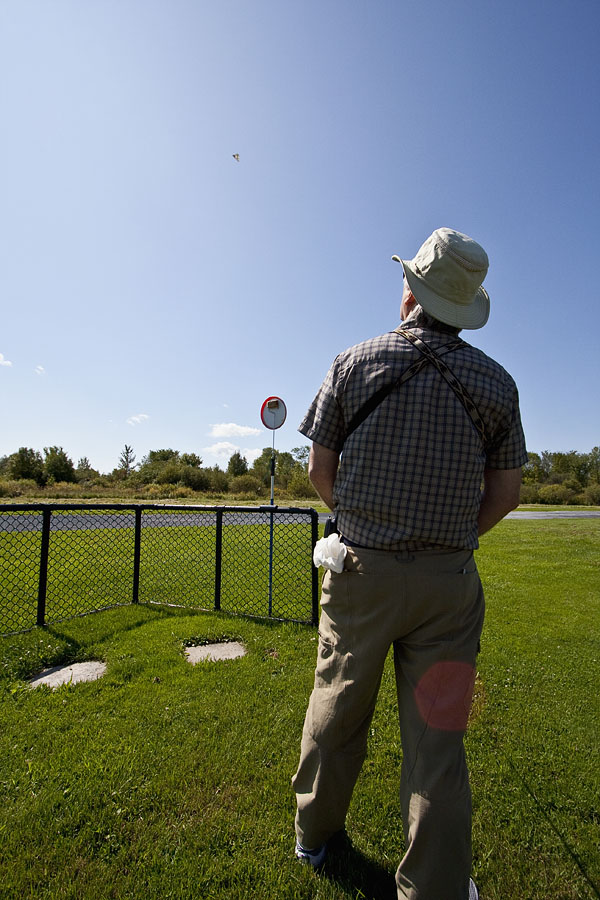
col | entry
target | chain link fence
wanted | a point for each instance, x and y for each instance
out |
(62, 561)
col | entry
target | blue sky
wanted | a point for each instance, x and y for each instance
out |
(155, 291)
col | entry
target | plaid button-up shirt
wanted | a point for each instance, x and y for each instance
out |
(410, 475)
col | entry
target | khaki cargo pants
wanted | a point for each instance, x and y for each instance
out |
(430, 607)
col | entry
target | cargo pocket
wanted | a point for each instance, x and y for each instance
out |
(330, 663)
(325, 711)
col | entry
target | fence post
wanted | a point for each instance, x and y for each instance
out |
(271, 508)
(137, 552)
(43, 580)
(218, 558)
(314, 517)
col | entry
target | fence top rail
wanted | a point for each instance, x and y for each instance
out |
(179, 507)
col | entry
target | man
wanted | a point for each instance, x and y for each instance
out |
(409, 505)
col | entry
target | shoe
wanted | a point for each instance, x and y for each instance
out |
(473, 892)
(314, 858)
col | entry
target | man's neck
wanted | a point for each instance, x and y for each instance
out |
(421, 319)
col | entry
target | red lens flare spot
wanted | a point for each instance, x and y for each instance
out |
(444, 695)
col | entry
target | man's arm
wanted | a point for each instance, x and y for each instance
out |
(322, 469)
(501, 489)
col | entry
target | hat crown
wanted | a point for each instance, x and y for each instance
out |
(452, 264)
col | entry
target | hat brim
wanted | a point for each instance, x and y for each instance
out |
(473, 316)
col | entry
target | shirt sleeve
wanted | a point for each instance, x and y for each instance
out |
(509, 451)
(324, 420)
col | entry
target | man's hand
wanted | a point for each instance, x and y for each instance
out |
(322, 469)
(501, 489)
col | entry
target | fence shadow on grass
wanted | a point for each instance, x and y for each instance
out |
(99, 630)
(355, 873)
(543, 810)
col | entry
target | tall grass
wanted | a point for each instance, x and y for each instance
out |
(163, 780)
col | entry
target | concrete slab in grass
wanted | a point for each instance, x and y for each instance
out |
(69, 674)
(214, 652)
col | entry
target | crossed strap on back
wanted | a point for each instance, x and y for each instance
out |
(428, 356)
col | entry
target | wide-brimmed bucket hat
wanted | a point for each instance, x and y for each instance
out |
(445, 278)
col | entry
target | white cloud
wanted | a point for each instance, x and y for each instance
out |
(222, 450)
(39, 370)
(250, 455)
(137, 420)
(230, 429)
(4, 362)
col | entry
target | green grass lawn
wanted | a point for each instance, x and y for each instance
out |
(163, 780)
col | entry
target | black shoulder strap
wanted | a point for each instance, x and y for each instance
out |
(446, 373)
(373, 402)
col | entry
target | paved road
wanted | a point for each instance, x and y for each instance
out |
(554, 514)
(74, 521)
(535, 514)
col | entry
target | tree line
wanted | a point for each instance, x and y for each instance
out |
(167, 470)
(548, 477)
(558, 478)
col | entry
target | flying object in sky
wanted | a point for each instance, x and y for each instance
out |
(236, 156)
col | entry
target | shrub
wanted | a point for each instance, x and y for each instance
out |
(66, 489)
(9, 488)
(530, 493)
(181, 492)
(169, 474)
(591, 494)
(23, 487)
(572, 484)
(301, 487)
(245, 484)
(218, 480)
(159, 491)
(556, 493)
(196, 479)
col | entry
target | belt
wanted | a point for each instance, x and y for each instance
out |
(349, 543)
